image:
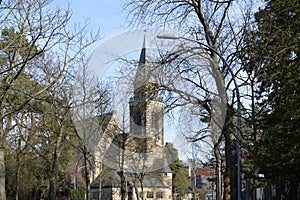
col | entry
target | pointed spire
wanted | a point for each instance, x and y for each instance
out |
(144, 56)
(145, 83)
(144, 73)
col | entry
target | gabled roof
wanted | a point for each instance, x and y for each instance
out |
(163, 162)
(205, 171)
(153, 182)
(105, 119)
(101, 121)
(92, 129)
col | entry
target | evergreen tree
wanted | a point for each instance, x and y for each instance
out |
(273, 55)
(181, 181)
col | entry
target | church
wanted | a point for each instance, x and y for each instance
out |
(134, 164)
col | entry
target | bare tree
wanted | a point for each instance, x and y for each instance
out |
(91, 102)
(32, 35)
(216, 24)
(57, 120)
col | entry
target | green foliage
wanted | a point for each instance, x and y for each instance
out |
(181, 181)
(17, 83)
(80, 193)
(13, 41)
(273, 55)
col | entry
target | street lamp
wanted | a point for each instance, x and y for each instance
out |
(77, 170)
(76, 174)
(195, 181)
(174, 37)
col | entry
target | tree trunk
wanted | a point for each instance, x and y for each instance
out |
(53, 181)
(136, 190)
(233, 170)
(100, 188)
(142, 188)
(255, 146)
(2, 163)
(230, 175)
(87, 179)
(123, 182)
(56, 155)
(2, 171)
(226, 185)
(17, 174)
(218, 173)
(121, 173)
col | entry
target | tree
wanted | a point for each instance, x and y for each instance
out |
(213, 23)
(34, 146)
(57, 123)
(33, 35)
(181, 181)
(272, 53)
(91, 103)
(43, 130)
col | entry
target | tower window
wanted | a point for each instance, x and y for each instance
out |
(155, 121)
(137, 117)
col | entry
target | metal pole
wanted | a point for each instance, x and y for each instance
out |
(76, 176)
(166, 36)
(195, 188)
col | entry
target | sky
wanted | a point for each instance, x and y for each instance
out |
(106, 15)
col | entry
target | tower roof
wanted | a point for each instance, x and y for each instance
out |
(145, 71)
(144, 56)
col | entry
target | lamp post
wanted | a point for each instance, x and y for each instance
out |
(174, 37)
(195, 181)
(76, 176)
(77, 195)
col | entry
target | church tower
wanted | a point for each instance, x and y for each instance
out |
(146, 108)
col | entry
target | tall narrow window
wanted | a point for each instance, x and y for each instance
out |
(155, 121)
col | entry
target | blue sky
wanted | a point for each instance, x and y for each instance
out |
(106, 15)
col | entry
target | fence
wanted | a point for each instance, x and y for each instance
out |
(289, 190)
